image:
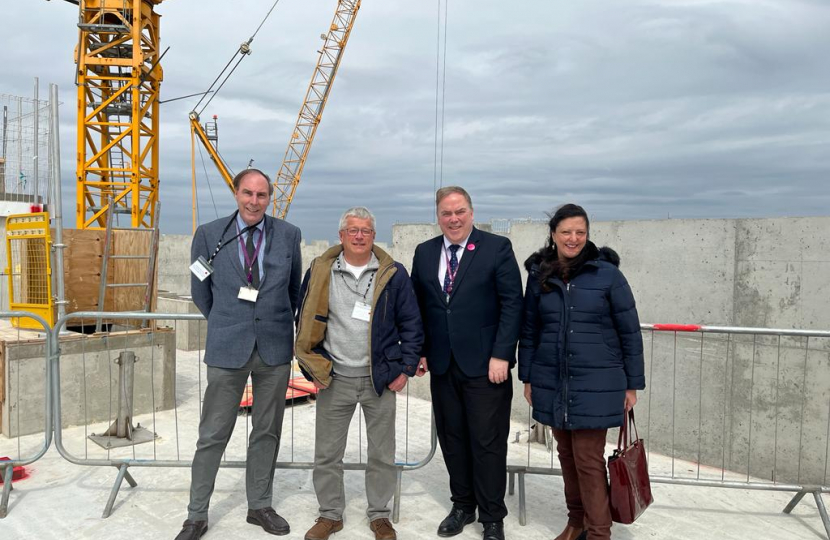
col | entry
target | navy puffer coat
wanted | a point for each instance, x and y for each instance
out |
(581, 347)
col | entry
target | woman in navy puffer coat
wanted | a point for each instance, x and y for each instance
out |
(581, 359)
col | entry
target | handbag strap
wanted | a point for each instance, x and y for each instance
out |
(626, 432)
(623, 436)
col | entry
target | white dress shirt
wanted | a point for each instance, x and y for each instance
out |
(445, 257)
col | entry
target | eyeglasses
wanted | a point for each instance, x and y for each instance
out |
(352, 231)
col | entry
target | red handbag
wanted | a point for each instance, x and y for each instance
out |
(630, 488)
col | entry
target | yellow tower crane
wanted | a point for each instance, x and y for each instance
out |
(118, 78)
(311, 111)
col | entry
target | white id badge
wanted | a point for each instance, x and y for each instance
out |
(361, 311)
(201, 268)
(248, 294)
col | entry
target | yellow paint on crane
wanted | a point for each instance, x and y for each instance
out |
(119, 79)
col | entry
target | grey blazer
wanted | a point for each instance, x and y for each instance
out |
(235, 326)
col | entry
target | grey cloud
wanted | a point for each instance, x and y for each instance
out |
(636, 109)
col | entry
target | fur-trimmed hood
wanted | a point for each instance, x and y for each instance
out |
(604, 253)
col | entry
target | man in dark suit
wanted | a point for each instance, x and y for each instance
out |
(246, 281)
(470, 293)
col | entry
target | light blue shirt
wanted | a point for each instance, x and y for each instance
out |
(244, 238)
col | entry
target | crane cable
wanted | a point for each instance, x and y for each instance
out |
(210, 189)
(243, 51)
(440, 99)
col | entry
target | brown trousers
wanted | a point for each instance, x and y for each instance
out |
(582, 457)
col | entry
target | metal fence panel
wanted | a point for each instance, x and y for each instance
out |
(25, 405)
(167, 389)
(745, 408)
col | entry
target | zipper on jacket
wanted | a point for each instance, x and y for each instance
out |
(381, 273)
(300, 323)
(567, 348)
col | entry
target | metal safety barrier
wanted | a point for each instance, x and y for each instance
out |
(25, 412)
(115, 378)
(728, 407)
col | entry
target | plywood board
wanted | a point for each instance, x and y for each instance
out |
(82, 271)
(131, 243)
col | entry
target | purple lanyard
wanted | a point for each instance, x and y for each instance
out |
(249, 262)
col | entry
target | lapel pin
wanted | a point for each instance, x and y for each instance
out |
(471, 247)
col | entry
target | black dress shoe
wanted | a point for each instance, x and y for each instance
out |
(583, 536)
(269, 520)
(192, 530)
(493, 531)
(454, 523)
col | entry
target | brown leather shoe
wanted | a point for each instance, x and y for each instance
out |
(572, 533)
(269, 520)
(323, 528)
(383, 529)
(192, 530)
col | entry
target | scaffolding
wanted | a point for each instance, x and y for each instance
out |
(25, 163)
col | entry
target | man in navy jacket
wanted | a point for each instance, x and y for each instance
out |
(470, 294)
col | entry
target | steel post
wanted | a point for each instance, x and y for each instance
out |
(8, 473)
(55, 210)
(522, 500)
(36, 156)
(396, 504)
(794, 501)
(122, 471)
(822, 510)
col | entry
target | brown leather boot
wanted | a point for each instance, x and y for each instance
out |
(323, 528)
(383, 529)
(571, 533)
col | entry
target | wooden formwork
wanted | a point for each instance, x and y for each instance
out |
(82, 271)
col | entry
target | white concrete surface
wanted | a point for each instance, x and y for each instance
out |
(62, 500)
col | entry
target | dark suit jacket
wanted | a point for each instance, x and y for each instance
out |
(234, 325)
(483, 316)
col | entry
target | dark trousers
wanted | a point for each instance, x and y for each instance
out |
(472, 416)
(582, 456)
(219, 414)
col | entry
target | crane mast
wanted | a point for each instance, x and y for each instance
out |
(285, 184)
(118, 79)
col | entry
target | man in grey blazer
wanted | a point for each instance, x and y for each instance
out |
(246, 281)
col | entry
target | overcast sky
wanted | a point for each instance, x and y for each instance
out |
(636, 109)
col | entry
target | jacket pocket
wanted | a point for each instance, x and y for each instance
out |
(393, 352)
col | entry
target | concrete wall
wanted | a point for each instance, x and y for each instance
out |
(89, 379)
(758, 407)
(174, 261)
(771, 273)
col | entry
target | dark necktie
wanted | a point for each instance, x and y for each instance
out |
(452, 267)
(250, 247)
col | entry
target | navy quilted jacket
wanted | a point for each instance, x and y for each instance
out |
(581, 347)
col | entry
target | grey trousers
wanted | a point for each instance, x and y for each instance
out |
(335, 408)
(219, 411)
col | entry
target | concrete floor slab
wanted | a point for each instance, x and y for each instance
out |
(62, 500)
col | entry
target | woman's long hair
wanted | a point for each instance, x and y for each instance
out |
(548, 258)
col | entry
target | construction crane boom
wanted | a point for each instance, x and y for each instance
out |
(209, 142)
(311, 111)
(288, 177)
